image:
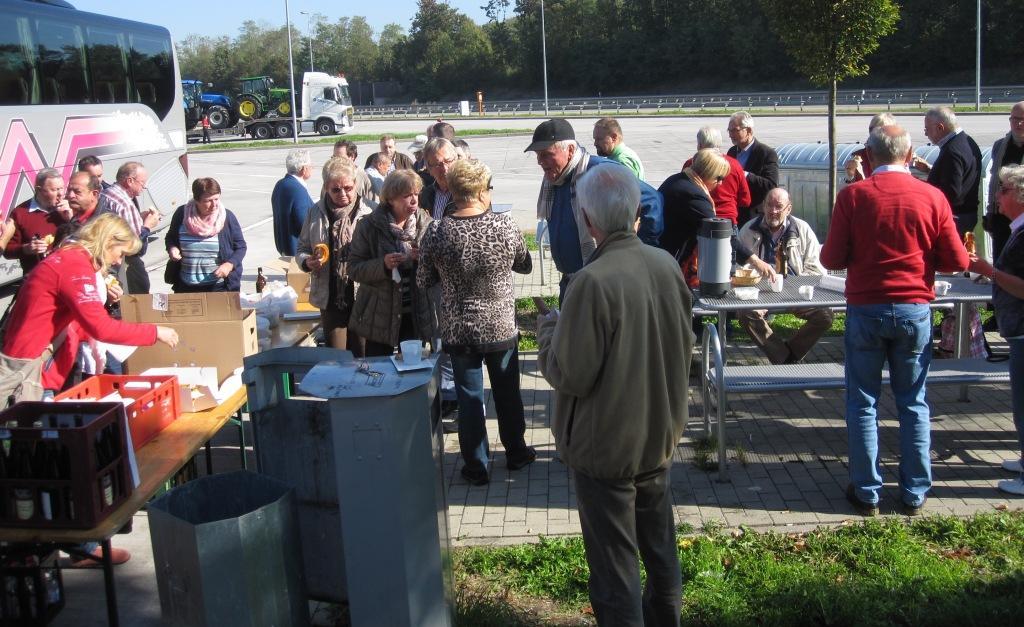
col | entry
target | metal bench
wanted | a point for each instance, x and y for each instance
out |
(719, 380)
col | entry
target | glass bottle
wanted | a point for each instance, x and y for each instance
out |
(261, 281)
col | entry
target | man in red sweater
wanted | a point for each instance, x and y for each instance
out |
(891, 233)
(36, 220)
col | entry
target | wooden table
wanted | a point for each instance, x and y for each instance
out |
(158, 461)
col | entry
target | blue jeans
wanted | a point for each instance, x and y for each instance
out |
(899, 334)
(1017, 389)
(503, 371)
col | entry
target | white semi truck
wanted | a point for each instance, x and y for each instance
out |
(325, 108)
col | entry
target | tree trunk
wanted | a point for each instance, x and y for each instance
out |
(831, 145)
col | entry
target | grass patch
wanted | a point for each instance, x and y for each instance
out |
(937, 570)
(355, 137)
(526, 318)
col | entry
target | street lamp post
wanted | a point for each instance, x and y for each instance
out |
(309, 29)
(291, 71)
(544, 52)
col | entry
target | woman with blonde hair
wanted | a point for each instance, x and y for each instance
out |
(385, 249)
(323, 251)
(472, 252)
(687, 203)
(61, 303)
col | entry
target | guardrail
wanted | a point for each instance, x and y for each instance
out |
(654, 104)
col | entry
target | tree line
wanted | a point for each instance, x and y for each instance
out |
(607, 47)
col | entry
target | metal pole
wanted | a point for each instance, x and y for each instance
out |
(291, 72)
(977, 66)
(544, 52)
(309, 29)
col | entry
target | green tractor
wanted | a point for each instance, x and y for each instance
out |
(259, 97)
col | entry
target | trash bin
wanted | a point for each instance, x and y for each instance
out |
(359, 441)
(227, 552)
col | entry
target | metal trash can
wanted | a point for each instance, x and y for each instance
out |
(361, 444)
(227, 552)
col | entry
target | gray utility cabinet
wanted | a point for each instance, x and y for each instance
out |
(361, 444)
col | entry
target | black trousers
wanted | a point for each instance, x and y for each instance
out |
(138, 278)
(620, 517)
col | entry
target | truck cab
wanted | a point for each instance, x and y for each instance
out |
(326, 103)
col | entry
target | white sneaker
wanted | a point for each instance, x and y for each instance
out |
(1013, 486)
(1012, 465)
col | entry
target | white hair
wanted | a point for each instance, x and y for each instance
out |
(744, 119)
(888, 147)
(609, 194)
(297, 159)
(945, 116)
(709, 137)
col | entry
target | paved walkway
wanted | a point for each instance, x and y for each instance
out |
(787, 464)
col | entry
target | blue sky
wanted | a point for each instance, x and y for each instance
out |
(203, 17)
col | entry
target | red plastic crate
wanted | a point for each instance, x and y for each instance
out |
(156, 406)
(76, 496)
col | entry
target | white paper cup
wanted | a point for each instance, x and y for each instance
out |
(806, 292)
(776, 285)
(942, 287)
(412, 351)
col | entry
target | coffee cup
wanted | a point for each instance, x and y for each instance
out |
(776, 283)
(806, 292)
(412, 352)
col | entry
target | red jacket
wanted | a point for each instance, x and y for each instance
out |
(732, 193)
(27, 224)
(892, 232)
(60, 294)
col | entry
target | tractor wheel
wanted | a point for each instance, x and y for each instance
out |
(325, 127)
(249, 108)
(219, 117)
(284, 109)
(261, 131)
(283, 130)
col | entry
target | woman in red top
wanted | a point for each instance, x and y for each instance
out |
(61, 294)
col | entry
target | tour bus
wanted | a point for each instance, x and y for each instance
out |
(73, 84)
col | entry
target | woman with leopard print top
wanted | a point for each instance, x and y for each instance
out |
(473, 252)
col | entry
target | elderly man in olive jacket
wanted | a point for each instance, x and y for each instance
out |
(618, 357)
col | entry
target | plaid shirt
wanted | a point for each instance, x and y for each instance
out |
(124, 206)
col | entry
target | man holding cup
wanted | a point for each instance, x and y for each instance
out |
(787, 241)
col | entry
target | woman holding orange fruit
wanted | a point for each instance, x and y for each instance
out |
(323, 251)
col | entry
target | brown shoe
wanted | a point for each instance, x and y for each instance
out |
(117, 557)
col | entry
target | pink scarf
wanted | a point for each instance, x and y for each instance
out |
(204, 227)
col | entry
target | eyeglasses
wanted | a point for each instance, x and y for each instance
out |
(489, 185)
(445, 163)
(1016, 119)
(719, 178)
(338, 190)
(776, 208)
(1006, 190)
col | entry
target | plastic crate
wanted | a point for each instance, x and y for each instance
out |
(157, 401)
(56, 474)
(31, 588)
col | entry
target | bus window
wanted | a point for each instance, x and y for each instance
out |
(61, 63)
(15, 64)
(152, 63)
(107, 66)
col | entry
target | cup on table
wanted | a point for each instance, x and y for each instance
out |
(776, 283)
(942, 287)
(806, 292)
(412, 351)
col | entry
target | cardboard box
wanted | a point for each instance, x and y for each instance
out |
(213, 330)
(200, 387)
(298, 280)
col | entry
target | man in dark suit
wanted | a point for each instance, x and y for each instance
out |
(957, 169)
(759, 161)
(1008, 150)
(291, 201)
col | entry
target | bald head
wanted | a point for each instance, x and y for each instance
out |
(777, 208)
(889, 145)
